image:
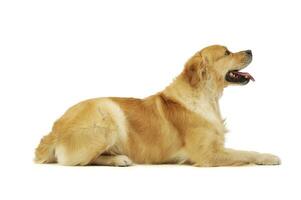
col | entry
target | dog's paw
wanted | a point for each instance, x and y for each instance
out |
(267, 159)
(122, 161)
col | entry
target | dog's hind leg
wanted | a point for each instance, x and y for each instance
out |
(82, 147)
(85, 132)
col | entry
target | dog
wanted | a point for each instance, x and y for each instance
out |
(180, 125)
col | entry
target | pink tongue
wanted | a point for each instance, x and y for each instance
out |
(246, 75)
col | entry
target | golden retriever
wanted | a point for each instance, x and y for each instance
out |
(181, 124)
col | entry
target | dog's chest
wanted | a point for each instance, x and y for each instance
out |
(205, 109)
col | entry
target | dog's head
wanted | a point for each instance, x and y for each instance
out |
(217, 65)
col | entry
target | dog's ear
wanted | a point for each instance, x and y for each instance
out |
(195, 70)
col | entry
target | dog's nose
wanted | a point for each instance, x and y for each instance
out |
(249, 52)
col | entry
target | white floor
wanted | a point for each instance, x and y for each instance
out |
(35, 181)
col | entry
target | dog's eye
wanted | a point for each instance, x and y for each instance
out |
(227, 52)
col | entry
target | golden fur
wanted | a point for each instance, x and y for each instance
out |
(181, 124)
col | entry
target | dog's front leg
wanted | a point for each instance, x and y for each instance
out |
(231, 157)
(207, 149)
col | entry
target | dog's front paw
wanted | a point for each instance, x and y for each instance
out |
(267, 159)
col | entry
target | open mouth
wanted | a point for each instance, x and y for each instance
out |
(235, 76)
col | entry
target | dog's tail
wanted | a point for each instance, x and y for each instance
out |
(45, 151)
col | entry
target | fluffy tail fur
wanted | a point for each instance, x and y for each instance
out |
(45, 151)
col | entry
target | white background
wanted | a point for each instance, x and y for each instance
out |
(56, 53)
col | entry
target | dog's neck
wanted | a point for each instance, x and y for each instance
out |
(202, 100)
